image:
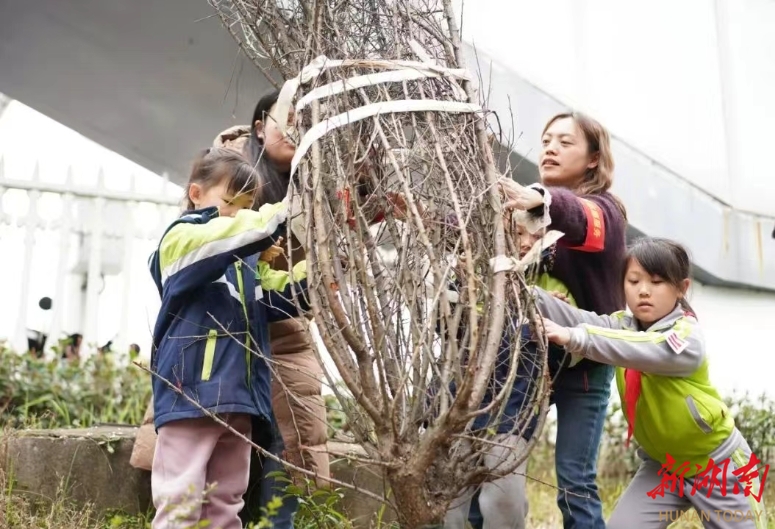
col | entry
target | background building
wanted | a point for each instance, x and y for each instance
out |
(682, 86)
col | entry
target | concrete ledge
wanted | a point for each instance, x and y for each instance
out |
(86, 465)
(92, 466)
(360, 509)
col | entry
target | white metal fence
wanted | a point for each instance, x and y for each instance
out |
(80, 235)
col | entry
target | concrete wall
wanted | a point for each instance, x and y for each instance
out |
(738, 334)
(687, 83)
(153, 81)
(91, 466)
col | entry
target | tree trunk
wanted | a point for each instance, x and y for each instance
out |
(415, 509)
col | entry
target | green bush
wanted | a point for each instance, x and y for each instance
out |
(334, 414)
(617, 460)
(65, 394)
(755, 418)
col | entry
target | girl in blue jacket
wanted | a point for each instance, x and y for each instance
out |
(211, 342)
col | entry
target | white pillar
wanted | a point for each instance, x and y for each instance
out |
(73, 317)
(126, 268)
(31, 224)
(94, 280)
(65, 223)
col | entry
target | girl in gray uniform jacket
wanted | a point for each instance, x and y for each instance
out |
(693, 455)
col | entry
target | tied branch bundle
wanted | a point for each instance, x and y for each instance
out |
(395, 195)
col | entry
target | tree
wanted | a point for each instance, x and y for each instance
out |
(414, 309)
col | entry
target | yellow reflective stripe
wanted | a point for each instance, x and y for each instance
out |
(241, 286)
(278, 280)
(270, 278)
(740, 460)
(681, 327)
(193, 242)
(299, 271)
(207, 366)
(627, 336)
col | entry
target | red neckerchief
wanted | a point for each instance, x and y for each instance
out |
(631, 395)
(632, 385)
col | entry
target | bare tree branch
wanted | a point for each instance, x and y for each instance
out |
(402, 209)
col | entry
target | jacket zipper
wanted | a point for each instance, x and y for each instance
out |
(241, 286)
(704, 426)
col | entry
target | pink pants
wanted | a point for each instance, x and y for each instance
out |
(200, 472)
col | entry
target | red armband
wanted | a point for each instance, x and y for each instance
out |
(595, 239)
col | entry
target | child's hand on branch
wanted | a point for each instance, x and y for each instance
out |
(560, 296)
(556, 334)
(273, 252)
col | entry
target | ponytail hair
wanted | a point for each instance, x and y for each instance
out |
(216, 165)
(687, 308)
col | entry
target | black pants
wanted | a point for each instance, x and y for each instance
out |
(262, 487)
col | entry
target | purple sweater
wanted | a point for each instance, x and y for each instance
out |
(590, 256)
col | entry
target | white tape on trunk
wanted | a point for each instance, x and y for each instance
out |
(503, 263)
(323, 63)
(360, 81)
(384, 107)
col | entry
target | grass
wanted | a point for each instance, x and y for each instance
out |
(544, 514)
(37, 394)
(27, 512)
(18, 511)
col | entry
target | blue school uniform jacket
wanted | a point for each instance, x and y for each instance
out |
(211, 340)
(515, 416)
